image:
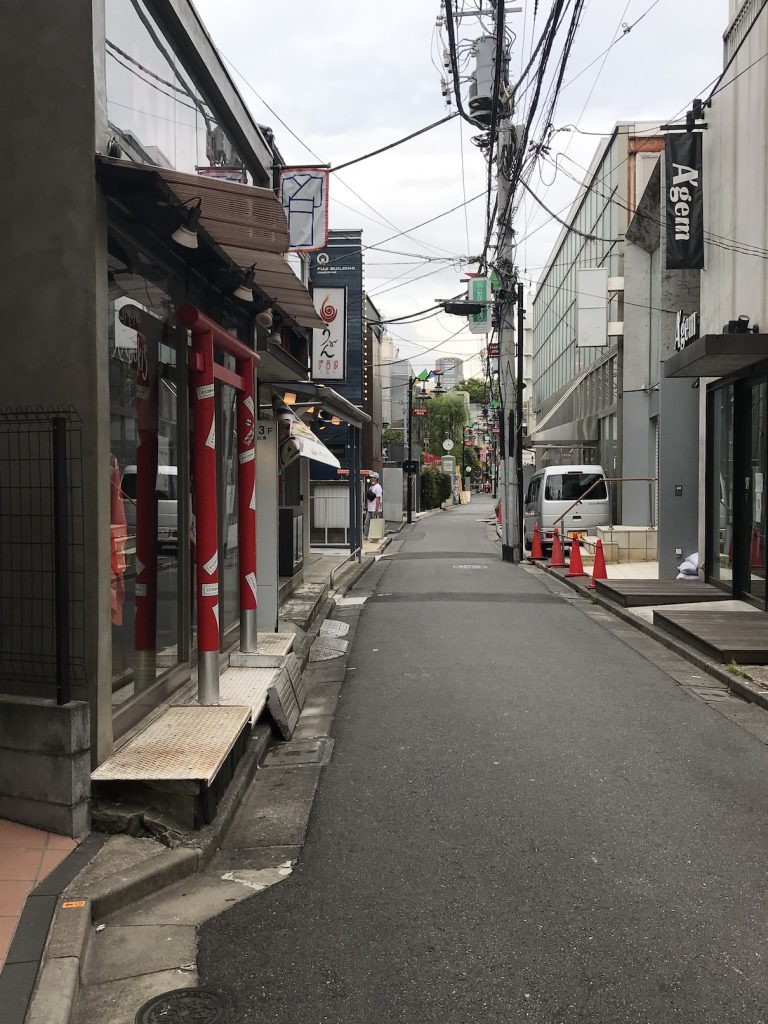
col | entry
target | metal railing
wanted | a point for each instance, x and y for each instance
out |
(604, 480)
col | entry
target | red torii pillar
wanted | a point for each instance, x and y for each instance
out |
(204, 372)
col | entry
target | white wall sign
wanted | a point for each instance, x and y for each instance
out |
(265, 430)
(686, 329)
(329, 346)
(592, 307)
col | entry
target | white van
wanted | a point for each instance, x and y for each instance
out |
(554, 490)
(166, 493)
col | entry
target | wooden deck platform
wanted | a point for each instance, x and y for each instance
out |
(723, 636)
(635, 593)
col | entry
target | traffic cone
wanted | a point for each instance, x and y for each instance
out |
(557, 561)
(536, 550)
(599, 572)
(576, 568)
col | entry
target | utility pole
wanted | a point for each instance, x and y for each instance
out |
(519, 410)
(511, 392)
(490, 105)
(409, 467)
(510, 370)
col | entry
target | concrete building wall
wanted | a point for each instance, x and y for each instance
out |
(652, 295)
(735, 183)
(53, 269)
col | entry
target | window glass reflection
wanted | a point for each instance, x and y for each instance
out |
(155, 110)
(144, 460)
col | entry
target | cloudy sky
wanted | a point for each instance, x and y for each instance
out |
(348, 76)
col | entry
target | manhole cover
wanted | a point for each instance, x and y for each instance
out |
(184, 1006)
(469, 565)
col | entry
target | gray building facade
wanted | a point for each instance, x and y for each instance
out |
(577, 390)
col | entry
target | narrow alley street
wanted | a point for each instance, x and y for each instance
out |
(523, 819)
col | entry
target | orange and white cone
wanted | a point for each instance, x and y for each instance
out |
(557, 561)
(599, 572)
(536, 549)
(576, 568)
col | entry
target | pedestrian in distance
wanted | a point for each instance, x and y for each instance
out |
(373, 496)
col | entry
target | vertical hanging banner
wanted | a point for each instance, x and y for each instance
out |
(329, 345)
(685, 201)
(304, 198)
(479, 290)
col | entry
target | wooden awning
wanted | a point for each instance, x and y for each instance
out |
(244, 224)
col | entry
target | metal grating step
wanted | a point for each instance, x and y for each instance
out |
(247, 687)
(282, 704)
(271, 649)
(297, 679)
(183, 743)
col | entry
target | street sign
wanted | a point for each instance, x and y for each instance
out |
(448, 464)
(420, 412)
(493, 350)
(479, 290)
(411, 466)
(447, 444)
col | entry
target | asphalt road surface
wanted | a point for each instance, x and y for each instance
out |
(523, 820)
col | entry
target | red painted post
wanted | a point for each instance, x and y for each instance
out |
(206, 531)
(145, 624)
(246, 505)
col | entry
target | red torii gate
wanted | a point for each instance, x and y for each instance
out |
(204, 371)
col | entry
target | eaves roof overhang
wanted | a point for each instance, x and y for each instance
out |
(331, 401)
(718, 355)
(243, 225)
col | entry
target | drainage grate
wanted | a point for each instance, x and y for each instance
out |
(325, 646)
(191, 1005)
(300, 752)
(334, 627)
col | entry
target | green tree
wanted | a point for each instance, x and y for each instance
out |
(477, 388)
(447, 417)
(392, 435)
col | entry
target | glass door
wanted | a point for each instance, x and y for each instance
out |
(721, 489)
(754, 478)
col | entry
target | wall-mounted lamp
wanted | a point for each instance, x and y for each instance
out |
(290, 398)
(186, 233)
(335, 421)
(265, 319)
(244, 290)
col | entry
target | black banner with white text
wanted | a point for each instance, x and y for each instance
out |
(685, 201)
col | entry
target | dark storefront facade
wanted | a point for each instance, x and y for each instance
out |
(156, 141)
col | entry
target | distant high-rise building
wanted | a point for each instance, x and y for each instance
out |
(452, 370)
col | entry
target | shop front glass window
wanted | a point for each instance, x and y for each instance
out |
(721, 496)
(757, 492)
(144, 343)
